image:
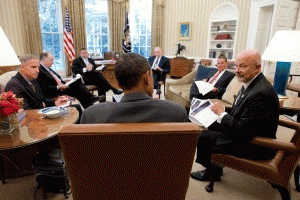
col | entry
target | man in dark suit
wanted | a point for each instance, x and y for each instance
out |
(160, 66)
(24, 85)
(137, 105)
(53, 86)
(219, 79)
(86, 67)
(256, 107)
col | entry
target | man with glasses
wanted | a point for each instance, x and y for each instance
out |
(256, 107)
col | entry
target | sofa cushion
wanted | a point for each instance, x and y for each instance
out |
(203, 71)
(232, 89)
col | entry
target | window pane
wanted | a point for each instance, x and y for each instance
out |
(51, 29)
(96, 14)
(104, 40)
(140, 26)
(142, 40)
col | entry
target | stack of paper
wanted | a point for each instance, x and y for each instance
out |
(201, 113)
(204, 87)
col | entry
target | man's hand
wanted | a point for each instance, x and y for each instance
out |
(157, 68)
(89, 67)
(62, 87)
(61, 100)
(218, 108)
(215, 89)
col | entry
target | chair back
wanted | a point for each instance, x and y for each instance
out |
(204, 71)
(129, 160)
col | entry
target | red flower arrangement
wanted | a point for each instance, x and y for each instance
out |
(9, 104)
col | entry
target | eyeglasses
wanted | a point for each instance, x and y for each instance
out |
(242, 67)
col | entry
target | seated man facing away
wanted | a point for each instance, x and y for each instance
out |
(86, 67)
(134, 75)
(24, 85)
(256, 107)
(53, 86)
(220, 80)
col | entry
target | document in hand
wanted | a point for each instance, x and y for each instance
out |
(201, 114)
(77, 77)
(204, 87)
(100, 68)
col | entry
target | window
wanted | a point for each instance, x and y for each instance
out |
(96, 14)
(140, 26)
(52, 32)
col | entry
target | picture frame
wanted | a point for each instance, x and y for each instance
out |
(184, 31)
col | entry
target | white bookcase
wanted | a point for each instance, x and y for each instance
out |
(222, 31)
(222, 38)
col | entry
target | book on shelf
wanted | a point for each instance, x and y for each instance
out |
(201, 113)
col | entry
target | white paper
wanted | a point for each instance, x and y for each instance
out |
(100, 67)
(78, 76)
(201, 113)
(204, 87)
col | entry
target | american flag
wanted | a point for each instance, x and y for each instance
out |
(68, 38)
(126, 46)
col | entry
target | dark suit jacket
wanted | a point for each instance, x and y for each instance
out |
(135, 107)
(164, 63)
(79, 64)
(255, 114)
(32, 99)
(47, 83)
(221, 84)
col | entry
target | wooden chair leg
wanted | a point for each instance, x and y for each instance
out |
(296, 177)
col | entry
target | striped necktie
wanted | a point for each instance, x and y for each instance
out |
(214, 77)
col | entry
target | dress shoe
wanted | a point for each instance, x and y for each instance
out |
(97, 98)
(205, 176)
(117, 91)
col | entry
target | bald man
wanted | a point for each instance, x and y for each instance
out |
(256, 107)
(160, 66)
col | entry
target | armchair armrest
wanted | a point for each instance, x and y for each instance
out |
(275, 144)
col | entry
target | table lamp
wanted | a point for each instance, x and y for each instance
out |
(8, 56)
(285, 49)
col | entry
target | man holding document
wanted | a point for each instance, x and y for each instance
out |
(256, 107)
(214, 86)
(53, 86)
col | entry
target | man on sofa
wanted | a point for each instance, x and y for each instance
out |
(24, 85)
(219, 79)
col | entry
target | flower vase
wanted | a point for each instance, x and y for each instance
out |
(8, 124)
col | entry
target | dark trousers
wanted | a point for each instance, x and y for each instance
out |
(157, 76)
(216, 142)
(80, 92)
(96, 78)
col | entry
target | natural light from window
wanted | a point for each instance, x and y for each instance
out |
(140, 26)
(96, 14)
(50, 15)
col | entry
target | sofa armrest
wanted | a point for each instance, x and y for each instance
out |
(187, 79)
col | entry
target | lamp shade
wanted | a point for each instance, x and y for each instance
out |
(284, 47)
(8, 56)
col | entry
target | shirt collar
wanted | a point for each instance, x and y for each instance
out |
(249, 82)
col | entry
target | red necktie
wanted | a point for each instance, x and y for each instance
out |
(214, 77)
